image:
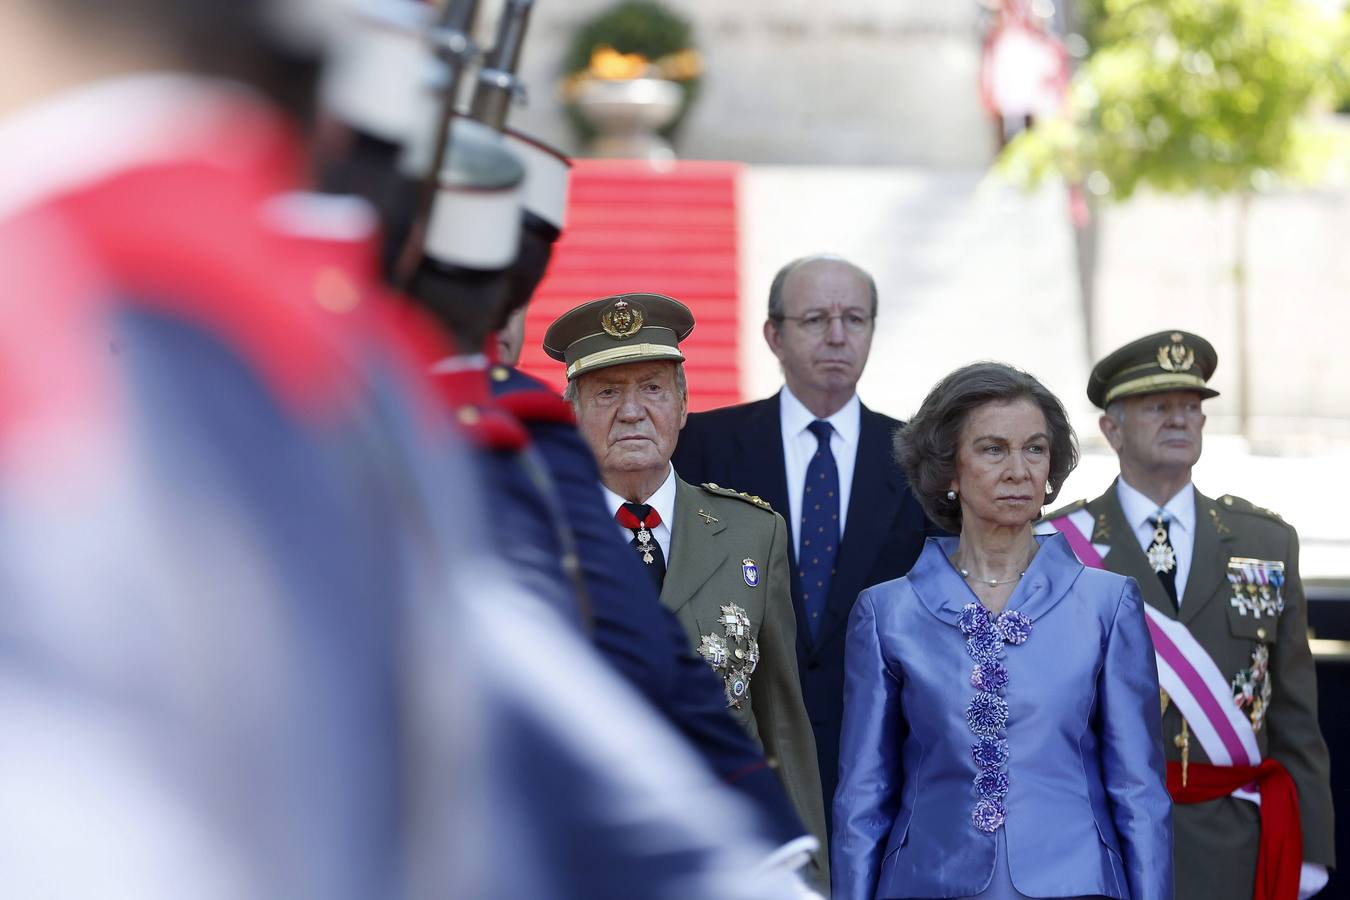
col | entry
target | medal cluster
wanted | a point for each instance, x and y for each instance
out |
(1251, 687)
(1256, 586)
(733, 655)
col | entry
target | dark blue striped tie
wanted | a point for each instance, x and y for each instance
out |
(819, 527)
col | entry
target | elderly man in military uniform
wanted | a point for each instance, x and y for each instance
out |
(1228, 618)
(719, 559)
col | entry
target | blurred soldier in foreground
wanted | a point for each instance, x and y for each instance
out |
(717, 558)
(207, 562)
(639, 636)
(253, 647)
(1229, 623)
(540, 479)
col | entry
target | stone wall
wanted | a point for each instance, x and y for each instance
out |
(889, 82)
(968, 268)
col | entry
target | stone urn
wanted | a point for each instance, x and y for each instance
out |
(627, 115)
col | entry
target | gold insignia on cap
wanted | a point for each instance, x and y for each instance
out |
(1170, 360)
(1176, 356)
(622, 320)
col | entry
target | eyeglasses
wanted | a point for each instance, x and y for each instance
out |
(818, 323)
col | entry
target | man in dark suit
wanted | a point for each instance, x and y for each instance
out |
(823, 460)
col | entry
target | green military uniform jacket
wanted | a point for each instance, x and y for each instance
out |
(727, 548)
(1216, 842)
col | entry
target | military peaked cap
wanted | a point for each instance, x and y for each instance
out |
(1166, 361)
(613, 331)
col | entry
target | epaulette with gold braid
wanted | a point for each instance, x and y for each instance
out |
(1237, 504)
(720, 491)
(1065, 510)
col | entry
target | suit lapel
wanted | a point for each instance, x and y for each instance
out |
(1125, 555)
(761, 445)
(761, 454)
(695, 551)
(1209, 558)
(875, 490)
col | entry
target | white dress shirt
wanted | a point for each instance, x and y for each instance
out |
(1141, 512)
(663, 501)
(799, 445)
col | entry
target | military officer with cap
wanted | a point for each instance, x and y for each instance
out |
(1228, 618)
(717, 557)
(632, 630)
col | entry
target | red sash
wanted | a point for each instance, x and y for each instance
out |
(1280, 858)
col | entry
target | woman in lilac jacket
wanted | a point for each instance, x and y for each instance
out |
(1001, 710)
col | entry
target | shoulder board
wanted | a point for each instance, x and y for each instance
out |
(486, 428)
(1065, 510)
(1237, 504)
(537, 406)
(720, 491)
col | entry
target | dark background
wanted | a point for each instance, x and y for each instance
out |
(1329, 618)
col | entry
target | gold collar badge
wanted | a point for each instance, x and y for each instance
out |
(622, 320)
(1176, 356)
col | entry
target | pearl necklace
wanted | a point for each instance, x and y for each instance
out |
(995, 582)
(992, 582)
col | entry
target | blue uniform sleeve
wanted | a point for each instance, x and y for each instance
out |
(644, 640)
(1129, 721)
(524, 530)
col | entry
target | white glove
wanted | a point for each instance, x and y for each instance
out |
(791, 858)
(1311, 879)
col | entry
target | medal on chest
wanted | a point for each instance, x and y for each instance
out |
(1257, 586)
(641, 519)
(1161, 556)
(645, 545)
(733, 654)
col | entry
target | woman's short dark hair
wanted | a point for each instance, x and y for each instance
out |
(926, 447)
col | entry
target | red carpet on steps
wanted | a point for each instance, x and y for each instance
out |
(634, 228)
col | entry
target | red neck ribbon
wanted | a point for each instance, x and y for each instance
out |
(628, 520)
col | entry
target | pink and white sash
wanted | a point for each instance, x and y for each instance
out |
(1185, 670)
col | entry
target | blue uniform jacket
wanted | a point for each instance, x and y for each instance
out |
(1087, 809)
(636, 634)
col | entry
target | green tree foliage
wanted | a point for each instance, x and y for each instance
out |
(632, 26)
(1191, 95)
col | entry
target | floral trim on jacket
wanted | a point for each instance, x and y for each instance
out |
(987, 714)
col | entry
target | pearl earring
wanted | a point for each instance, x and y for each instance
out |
(951, 495)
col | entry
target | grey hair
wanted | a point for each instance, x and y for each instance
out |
(571, 396)
(1116, 410)
(776, 288)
